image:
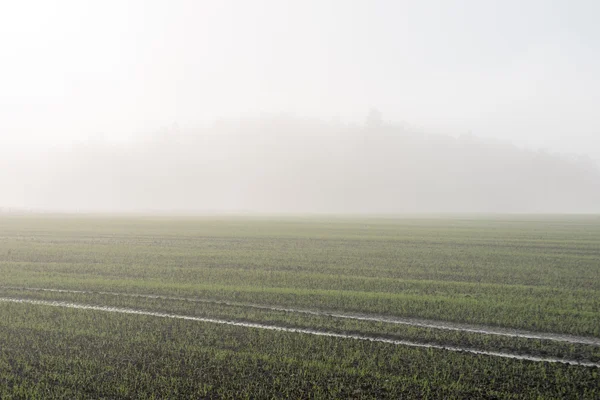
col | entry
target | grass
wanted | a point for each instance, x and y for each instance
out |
(540, 273)
(58, 352)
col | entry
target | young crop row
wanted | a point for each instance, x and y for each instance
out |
(305, 331)
(534, 313)
(529, 273)
(52, 352)
(510, 342)
(429, 260)
(495, 251)
(337, 314)
(535, 273)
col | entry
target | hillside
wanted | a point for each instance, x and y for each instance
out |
(293, 165)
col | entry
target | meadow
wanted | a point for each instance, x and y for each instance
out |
(510, 306)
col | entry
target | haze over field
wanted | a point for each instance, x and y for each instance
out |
(487, 106)
(281, 164)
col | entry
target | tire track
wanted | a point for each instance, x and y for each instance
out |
(296, 330)
(420, 323)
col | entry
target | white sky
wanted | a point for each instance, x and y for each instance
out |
(523, 71)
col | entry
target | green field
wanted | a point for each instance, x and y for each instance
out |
(515, 285)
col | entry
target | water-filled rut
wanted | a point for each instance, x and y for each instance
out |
(295, 330)
(421, 323)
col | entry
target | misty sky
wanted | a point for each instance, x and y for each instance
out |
(523, 71)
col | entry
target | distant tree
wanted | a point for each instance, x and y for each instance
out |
(374, 119)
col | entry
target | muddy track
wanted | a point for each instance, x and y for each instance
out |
(295, 330)
(442, 325)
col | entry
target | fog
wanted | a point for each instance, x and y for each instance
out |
(281, 164)
(483, 106)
